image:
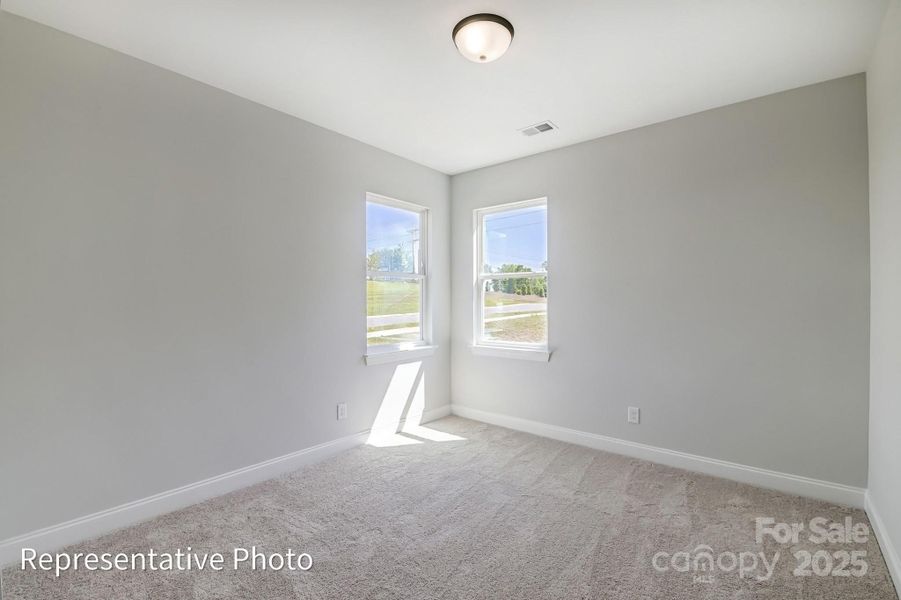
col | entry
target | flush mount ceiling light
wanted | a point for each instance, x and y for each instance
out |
(484, 37)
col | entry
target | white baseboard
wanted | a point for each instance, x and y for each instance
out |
(436, 413)
(54, 537)
(104, 521)
(783, 482)
(889, 551)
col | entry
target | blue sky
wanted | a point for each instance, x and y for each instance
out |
(517, 237)
(386, 227)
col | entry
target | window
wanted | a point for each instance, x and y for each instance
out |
(511, 287)
(396, 274)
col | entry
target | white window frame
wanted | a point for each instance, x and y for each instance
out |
(384, 353)
(480, 345)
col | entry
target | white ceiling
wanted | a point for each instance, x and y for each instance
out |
(387, 72)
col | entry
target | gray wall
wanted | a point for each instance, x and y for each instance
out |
(884, 101)
(181, 279)
(712, 270)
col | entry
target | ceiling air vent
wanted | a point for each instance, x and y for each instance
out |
(538, 128)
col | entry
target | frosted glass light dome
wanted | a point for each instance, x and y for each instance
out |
(483, 38)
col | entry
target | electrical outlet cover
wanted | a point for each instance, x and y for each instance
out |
(634, 415)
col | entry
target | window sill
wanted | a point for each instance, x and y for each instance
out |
(393, 356)
(535, 354)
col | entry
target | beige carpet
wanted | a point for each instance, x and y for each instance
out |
(496, 515)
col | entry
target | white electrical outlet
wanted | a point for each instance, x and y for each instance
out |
(342, 411)
(634, 415)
